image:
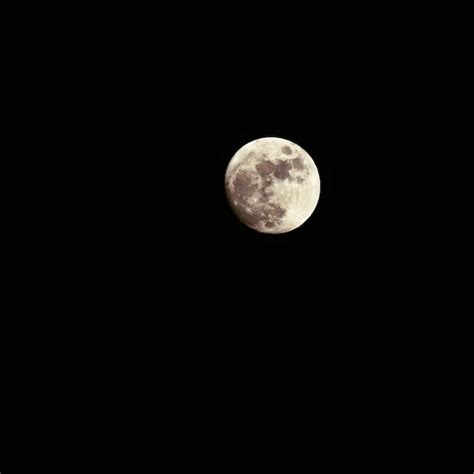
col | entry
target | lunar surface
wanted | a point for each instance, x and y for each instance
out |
(272, 185)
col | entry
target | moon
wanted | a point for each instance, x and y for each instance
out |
(272, 185)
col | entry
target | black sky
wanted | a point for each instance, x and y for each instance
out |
(131, 268)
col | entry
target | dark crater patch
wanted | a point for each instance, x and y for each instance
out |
(298, 164)
(286, 150)
(271, 212)
(243, 185)
(299, 180)
(262, 212)
(268, 214)
(266, 194)
(276, 211)
(265, 168)
(282, 169)
(244, 189)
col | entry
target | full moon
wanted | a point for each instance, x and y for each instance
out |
(272, 185)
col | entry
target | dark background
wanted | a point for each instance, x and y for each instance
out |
(129, 271)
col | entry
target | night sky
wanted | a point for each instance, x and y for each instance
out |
(129, 268)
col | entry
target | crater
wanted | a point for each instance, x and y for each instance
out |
(267, 214)
(268, 182)
(277, 211)
(298, 164)
(266, 194)
(286, 150)
(265, 168)
(282, 169)
(299, 179)
(244, 186)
